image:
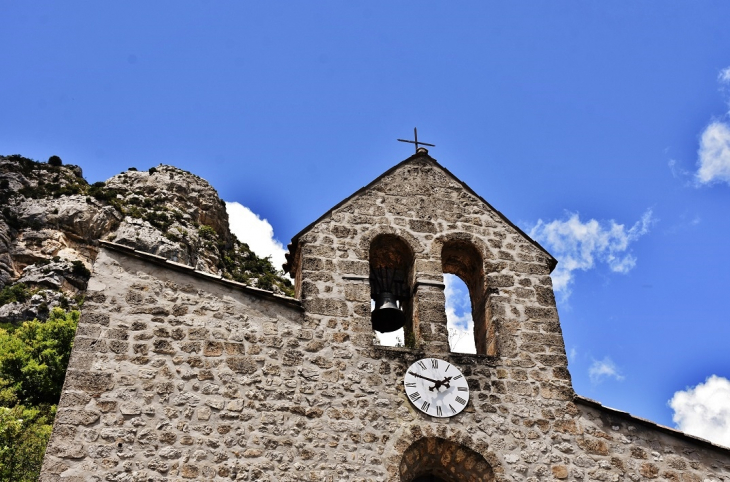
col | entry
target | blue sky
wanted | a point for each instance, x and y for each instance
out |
(583, 122)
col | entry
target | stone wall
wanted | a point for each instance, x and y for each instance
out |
(179, 376)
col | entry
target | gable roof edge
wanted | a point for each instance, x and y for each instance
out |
(202, 275)
(294, 243)
(588, 402)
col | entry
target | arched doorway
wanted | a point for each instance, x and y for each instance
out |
(434, 459)
(429, 478)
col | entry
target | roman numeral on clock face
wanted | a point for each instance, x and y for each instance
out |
(461, 400)
(453, 410)
(434, 363)
(425, 406)
(422, 365)
(458, 376)
(438, 411)
(461, 389)
(413, 385)
(414, 396)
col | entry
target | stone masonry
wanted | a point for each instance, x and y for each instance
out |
(179, 375)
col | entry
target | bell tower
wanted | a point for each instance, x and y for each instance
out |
(392, 242)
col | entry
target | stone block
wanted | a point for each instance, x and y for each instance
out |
(118, 346)
(117, 334)
(197, 333)
(539, 313)
(421, 226)
(90, 382)
(212, 348)
(95, 318)
(353, 267)
(327, 307)
(244, 365)
(163, 346)
(500, 280)
(92, 345)
(357, 292)
(77, 417)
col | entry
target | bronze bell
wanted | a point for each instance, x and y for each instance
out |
(387, 316)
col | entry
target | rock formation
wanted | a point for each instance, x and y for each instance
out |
(51, 221)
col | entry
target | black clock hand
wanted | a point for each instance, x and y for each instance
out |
(426, 378)
(446, 382)
(436, 383)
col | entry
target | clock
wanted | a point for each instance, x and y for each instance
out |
(436, 387)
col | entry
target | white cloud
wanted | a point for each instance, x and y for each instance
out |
(602, 369)
(713, 156)
(704, 410)
(256, 232)
(677, 171)
(724, 76)
(394, 338)
(579, 245)
(458, 315)
(573, 354)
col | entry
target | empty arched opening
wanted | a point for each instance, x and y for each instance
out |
(391, 265)
(438, 460)
(463, 260)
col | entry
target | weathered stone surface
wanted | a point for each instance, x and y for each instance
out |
(51, 221)
(225, 386)
(77, 417)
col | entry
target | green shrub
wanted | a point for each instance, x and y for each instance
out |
(17, 292)
(55, 161)
(206, 232)
(79, 269)
(172, 237)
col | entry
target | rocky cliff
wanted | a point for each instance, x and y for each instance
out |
(51, 220)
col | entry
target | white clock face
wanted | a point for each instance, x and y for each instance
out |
(436, 387)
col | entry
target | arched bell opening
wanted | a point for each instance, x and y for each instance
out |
(391, 272)
(434, 459)
(463, 260)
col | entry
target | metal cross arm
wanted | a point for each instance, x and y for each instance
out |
(415, 141)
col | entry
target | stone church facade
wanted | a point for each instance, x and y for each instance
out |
(179, 375)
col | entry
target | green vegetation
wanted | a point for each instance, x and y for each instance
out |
(55, 161)
(17, 292)
(80, 269)
(243, 265)
(207, 232)
(33, 361)
(24, 433)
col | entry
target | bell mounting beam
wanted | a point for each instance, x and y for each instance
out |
(415, 140)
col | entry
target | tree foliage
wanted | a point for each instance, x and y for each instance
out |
(24, 433)
(34, 357)
(33, 361)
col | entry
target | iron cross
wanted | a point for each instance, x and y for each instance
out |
(415, 136)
